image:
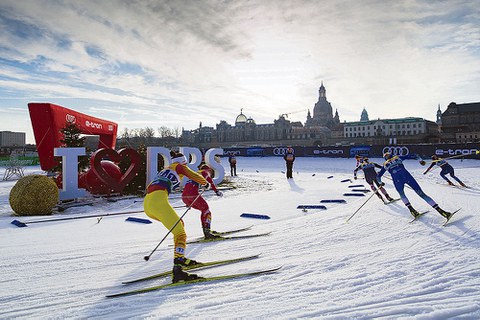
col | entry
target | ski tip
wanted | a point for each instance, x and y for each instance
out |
(448, 220)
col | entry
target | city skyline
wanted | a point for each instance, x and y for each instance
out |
(179, 63)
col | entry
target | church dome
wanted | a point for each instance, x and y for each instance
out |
(241, 119)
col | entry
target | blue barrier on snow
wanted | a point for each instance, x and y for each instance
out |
(333, 201)
(311, 206)
(140, 220)
(254, 215)
(354, 194)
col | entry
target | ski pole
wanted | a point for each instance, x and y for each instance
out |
(374, 192)
(169, 231)
(452, 157)
(24, 224)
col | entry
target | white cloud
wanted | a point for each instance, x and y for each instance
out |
(182, 62)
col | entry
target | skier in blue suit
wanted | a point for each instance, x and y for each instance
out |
(400, 176)
(446, 169)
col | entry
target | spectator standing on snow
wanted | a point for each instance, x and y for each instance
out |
(232, 160)
(289, 158)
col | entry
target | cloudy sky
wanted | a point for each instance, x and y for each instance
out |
(176, 63)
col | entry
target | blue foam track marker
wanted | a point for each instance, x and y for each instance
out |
(333, 201)
(356, 186)
(329, 177)
(346, 180)
(18, 223)
(311, 206)
(360, 190)
(354, 194)
(254, 215)
(139, 220)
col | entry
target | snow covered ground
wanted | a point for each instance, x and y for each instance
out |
(375, 266)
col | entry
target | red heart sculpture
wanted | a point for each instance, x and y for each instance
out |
(112, 183)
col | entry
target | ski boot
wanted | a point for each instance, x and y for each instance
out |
(463, 185)
(390, 198)
(450, 183)
(184, 262)
(178, 274)
(210, 234)
(413, 212)
(444, 213)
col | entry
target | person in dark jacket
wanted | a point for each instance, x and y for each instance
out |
(233, 165)
(289, 158)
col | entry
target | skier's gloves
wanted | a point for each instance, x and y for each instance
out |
(207, 186)
(422, 162)
(355, 177)
(382, 184)
(219, 193)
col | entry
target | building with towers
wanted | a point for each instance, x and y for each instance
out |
(318, 129)
(322, 112)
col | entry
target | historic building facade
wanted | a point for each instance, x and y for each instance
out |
(402, 130)
(461, 122)
(318, 129)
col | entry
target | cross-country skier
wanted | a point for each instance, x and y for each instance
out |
(157, 207)
(371, 177)
(289, 158)
(446, 169)
(358, 160)
(191, 197)
(400, 176)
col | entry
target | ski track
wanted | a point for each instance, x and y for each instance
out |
(375, 266)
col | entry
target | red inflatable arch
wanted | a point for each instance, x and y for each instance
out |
(47, 121)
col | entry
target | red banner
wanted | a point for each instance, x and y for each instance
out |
(47, 121)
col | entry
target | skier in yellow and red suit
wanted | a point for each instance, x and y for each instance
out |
(190, 193)
(157, 207)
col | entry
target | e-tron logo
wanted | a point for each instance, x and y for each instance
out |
(327, 151)
(93, 125)
(396, 151)
(70, 118)
(454, 152)
(279, 151)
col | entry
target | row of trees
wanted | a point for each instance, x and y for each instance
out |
(146, 136)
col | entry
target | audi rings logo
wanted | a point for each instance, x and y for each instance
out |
(279, 151)
(70, 118)
(396, 151)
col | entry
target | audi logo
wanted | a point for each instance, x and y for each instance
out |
(279, 151)
(70, 118)
(396, 151)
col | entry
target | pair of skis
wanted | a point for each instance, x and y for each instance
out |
(225, 235)
(443, 225)
(200, 265)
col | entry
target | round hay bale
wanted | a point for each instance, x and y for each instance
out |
(34, 195)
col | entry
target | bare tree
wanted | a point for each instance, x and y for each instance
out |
(164, 132)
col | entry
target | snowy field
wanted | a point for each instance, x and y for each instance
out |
(377, 265)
